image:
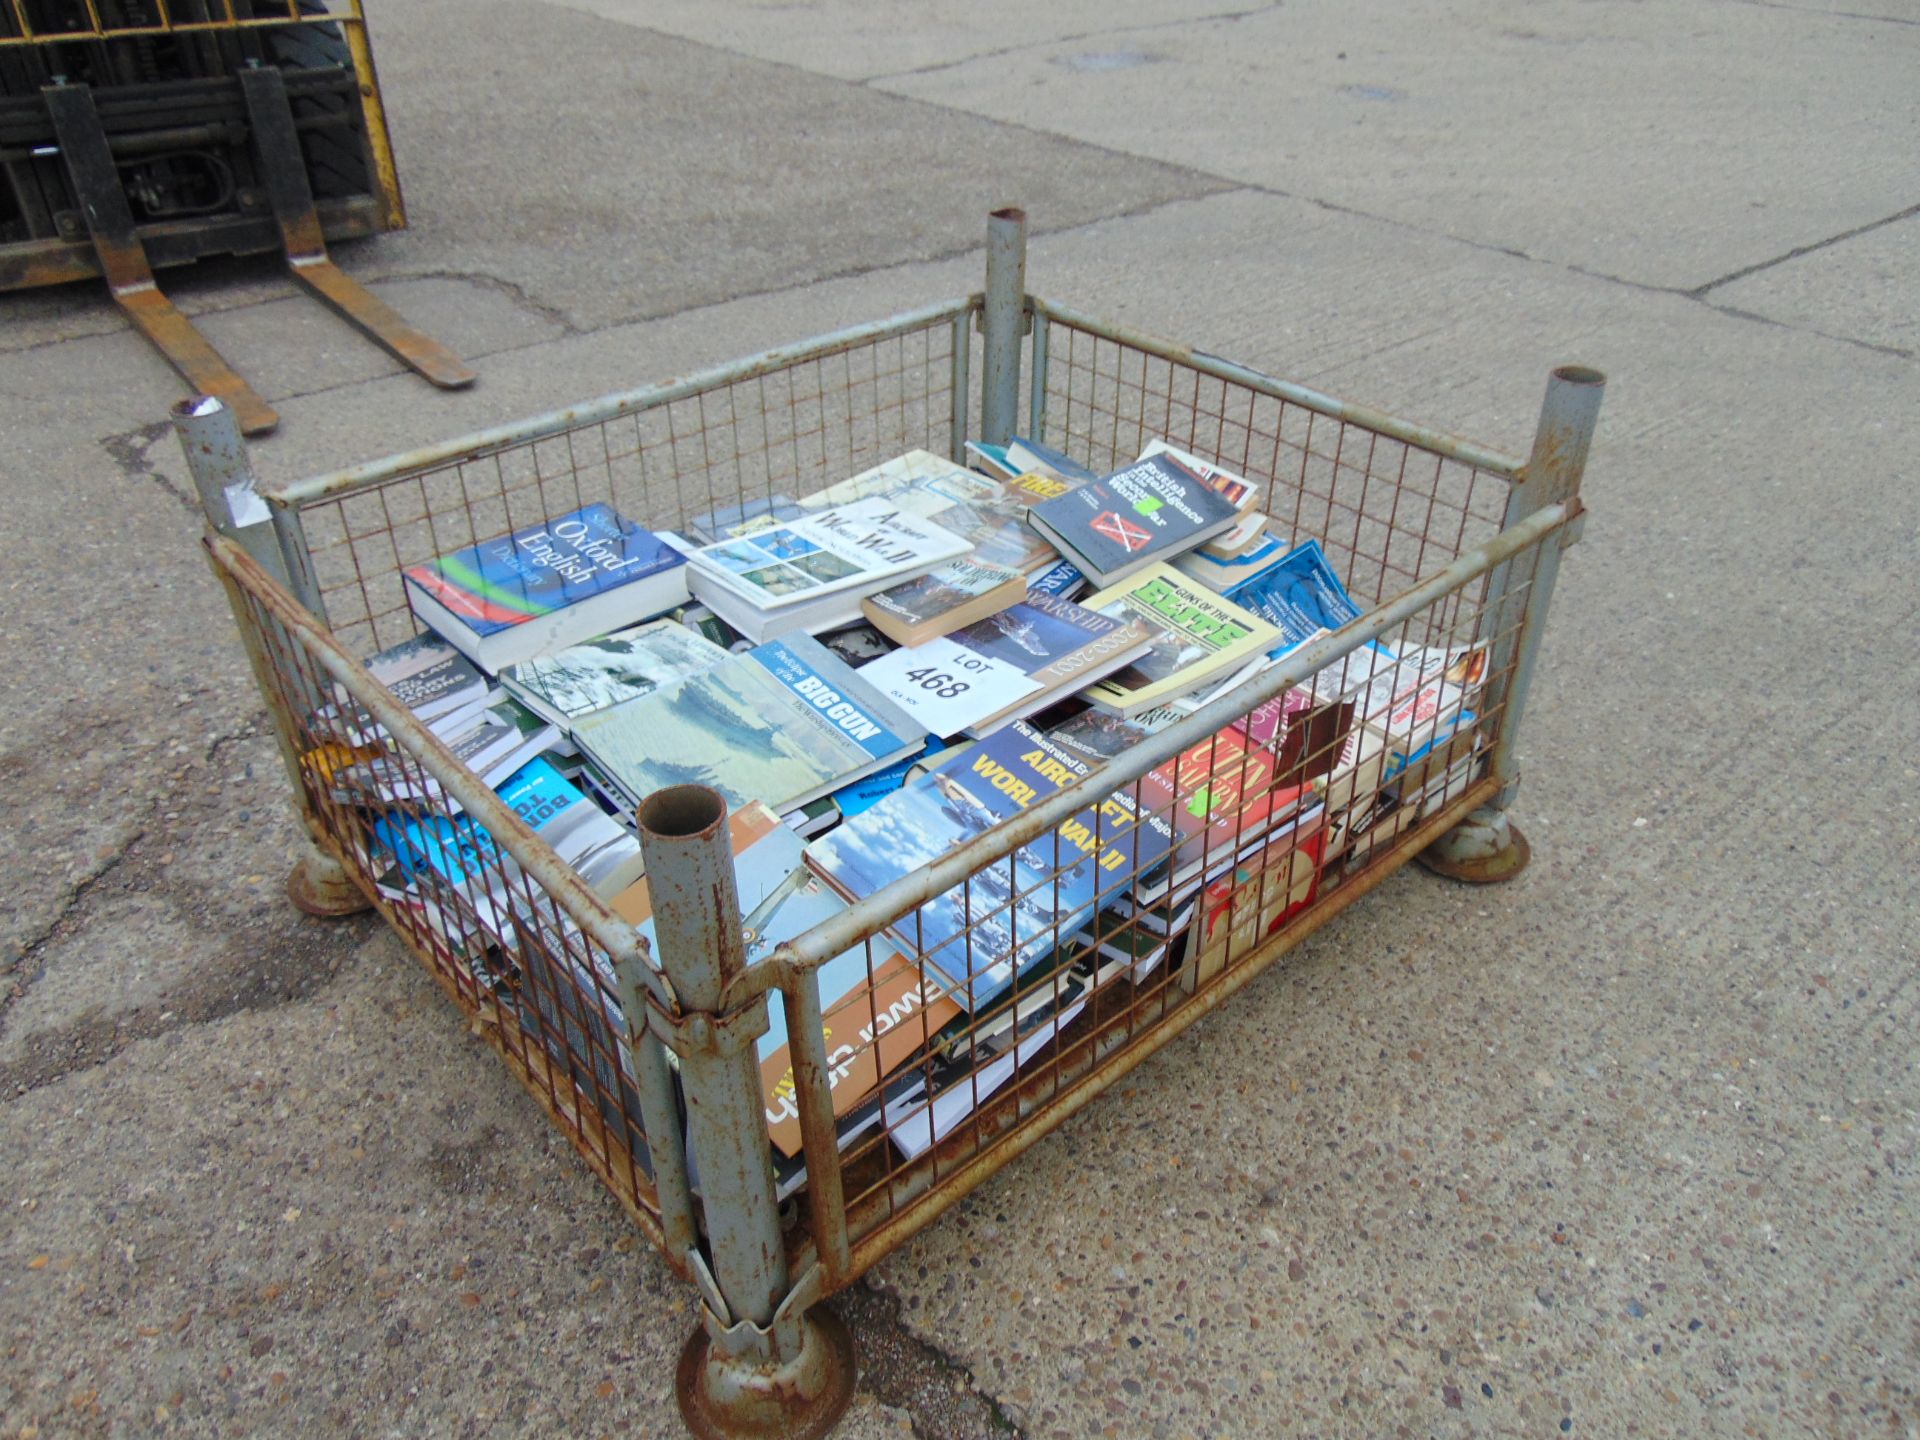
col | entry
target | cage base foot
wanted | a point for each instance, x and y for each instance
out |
(724, 1397)
(318, 885)
(1483, 849)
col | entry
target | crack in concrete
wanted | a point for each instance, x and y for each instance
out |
(17, 968)
(307, 960)
(937, 67)
(1828, 14)
(132, 450)
(900, 1368)
(515, 292)
(1699, 291)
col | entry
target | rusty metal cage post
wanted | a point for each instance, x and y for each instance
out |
(758, 1363)
(1487, 847)
(1001, 318)
(216, 455)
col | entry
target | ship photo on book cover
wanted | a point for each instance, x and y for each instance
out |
(546, 586)
(1008, 665)
(943, 600)
(599, 674)
(784, 723)
(978, 936)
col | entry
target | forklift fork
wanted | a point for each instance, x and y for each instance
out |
(89, 162)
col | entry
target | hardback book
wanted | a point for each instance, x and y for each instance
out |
(943, 600)
(547, 586)
(730, 522)
(784, 724)
(811, 574)
(877, 1008)
(1222, 796)
(1204, 639)
(602, 850)
(1151, 511)
(1300, 596)
(1241, 908)
(975, 938)
(989, 515)
(599, 674)
(1249, 532)
(428, 676)
(1007, 665)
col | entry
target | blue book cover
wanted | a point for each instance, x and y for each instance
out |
(457, 850)
(542, 569)
(1062, 580)
(977, 937)
(1300, 596)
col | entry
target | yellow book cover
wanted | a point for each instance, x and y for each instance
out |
(1203, 639)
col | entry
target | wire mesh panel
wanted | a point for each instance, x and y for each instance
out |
(819, 417)
(1093, 889)
(505, 944)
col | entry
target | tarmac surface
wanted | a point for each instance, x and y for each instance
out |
(1625, 1147)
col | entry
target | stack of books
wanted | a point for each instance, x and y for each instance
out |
(875, 675)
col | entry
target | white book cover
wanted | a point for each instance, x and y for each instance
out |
(859, 547)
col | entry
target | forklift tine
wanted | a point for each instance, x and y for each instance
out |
(123, 260)
(284, 174)
(381, 323)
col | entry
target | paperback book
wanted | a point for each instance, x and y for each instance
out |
(876, 1007)
(975, 938)
(1247, 532)
(785, 723)
(943, 600)
(1204, 638)
(428, 676)
(1007, 666)
(1151, 511)
(547, 586)
(1223, 796)
(599, 674)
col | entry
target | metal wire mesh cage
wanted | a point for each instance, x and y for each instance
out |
(896, 1101)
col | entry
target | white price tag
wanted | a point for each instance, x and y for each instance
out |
(947, 687)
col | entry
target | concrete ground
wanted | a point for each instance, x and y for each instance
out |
(1625, 1147)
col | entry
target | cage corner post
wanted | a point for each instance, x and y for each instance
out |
(1002, 323)
(216, 455)
(1487, 847)
(761, 1362)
